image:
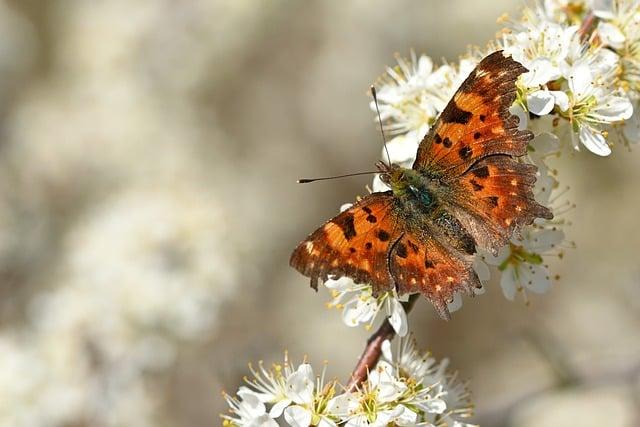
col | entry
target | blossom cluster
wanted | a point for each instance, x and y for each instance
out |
(406, 387)
(581, 90)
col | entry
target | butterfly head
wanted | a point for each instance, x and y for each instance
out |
(399, 179)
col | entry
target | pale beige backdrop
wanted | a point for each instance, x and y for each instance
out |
(148, 157)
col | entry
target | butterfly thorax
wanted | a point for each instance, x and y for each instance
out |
(408, 185)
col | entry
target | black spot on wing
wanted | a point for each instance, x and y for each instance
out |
(401, 250)
(372, 219)
(383, 235)
(368, 245)
(428, 264)
(347, 226)
(493, 201)
(481, 172)
(454, 114)
(447, 142)
(465, 152)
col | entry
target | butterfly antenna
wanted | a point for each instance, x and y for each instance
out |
(307, 180)
(374, 94)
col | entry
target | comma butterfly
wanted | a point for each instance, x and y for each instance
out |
(465, 190)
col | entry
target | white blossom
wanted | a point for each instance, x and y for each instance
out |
(360, 307)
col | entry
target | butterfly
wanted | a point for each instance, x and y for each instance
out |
(465, 190)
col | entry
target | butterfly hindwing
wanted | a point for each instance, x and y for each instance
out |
(494, 198)
(420, 263)
(354, 244)
(476, 122)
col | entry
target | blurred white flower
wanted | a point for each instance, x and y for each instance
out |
(360, 307)
(631, 128)
(619, 29)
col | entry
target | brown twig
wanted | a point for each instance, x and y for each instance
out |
(373, 350)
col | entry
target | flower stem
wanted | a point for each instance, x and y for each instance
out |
(373, 349)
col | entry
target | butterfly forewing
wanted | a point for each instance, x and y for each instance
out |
(476, 122)
(354, 244)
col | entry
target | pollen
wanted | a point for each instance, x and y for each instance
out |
(438, 288)
(514, 182)
(449, 279)
(507, 221)
(518, 208)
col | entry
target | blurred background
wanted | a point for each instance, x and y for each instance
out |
(148, 157)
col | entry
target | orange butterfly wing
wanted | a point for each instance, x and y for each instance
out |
(420, 263)
(476, 122)
(470, 150)
(354, 244)
(494, 198)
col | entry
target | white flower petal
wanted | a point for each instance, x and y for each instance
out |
(386, 350)
(300, 384)
(615, 108)
(403, 148)
(544, 240)
(523, 116)
(278, 408)
(456, 304)
(357, 421)
(360, 310)
(541, 71)
(580, 81)
(406, 418)
(535, 278)
(631, 127)
(251, 404)
(342, 404)
(297, 416)
(434, 406)
(343, 284)
(345, 206)
(594, 141)
(385, 417)
(325, 422)
(482, 269)
(503, 253)
(611, 35)
(561, 99)
(540, 102)
(398, 318)
(378, 185)
(508, 283)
